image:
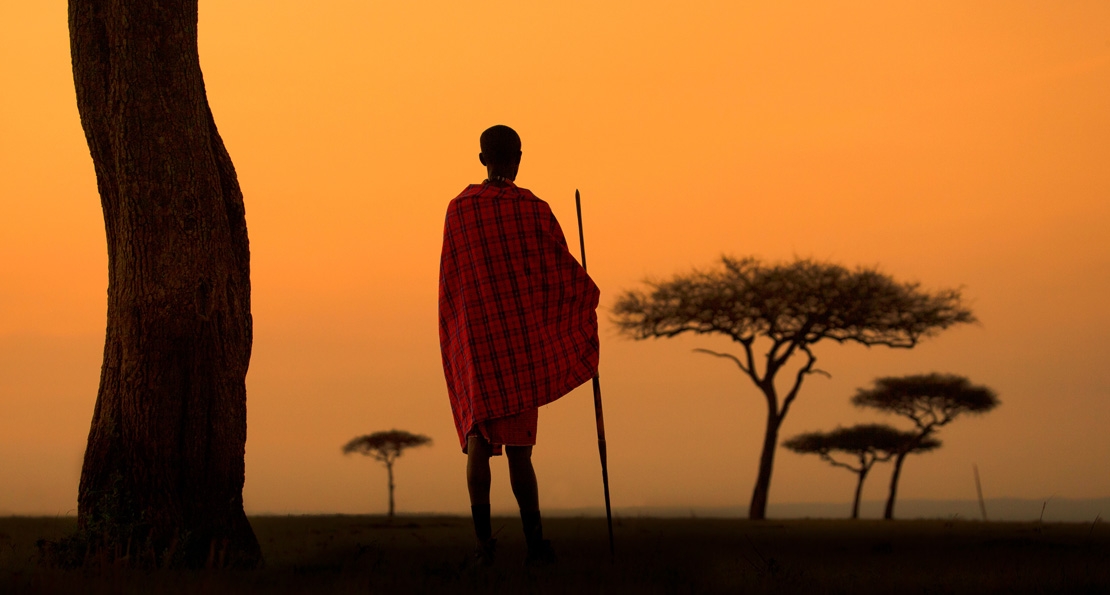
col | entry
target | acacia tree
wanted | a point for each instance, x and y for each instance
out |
(164, 462)
(386, 447)
(930, 401)
(790, 307)
(869, 443)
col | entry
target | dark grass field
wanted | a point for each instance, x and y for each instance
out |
(418, 554)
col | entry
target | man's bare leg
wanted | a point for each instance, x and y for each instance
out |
(478, 452)
(522, 476)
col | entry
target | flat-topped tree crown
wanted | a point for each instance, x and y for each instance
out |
(929, 400)
(802, 301)
(880, 440)
(385, 446)
(791, 305)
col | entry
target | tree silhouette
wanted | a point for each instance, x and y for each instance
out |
(869, 443)
(930, 401)
(386, 447)
(791, 306)
(164, 462)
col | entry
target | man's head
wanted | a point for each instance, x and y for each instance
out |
(500, 151)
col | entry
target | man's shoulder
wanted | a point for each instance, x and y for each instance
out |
(468, 192)
(480, 191)
(526, 194)
(472, 190)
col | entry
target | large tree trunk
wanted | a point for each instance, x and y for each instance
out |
(888, 512)
(758, 508)
(163, 470)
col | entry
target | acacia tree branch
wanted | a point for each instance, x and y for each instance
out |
(936, 419)
(751, 361)
(917, 417)
(747, 370)
(798, 378)
(911, 445)
(825, 456)
(657, 330)
(735, 359)
(892, 343)
(925, 425)
(782, 359)
(946, 417)
(775, 360)
(864, 463)
(875, 457)
(881, 458)
(798, 340)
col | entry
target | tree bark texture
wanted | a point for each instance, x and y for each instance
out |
(758, 508)
(164, 467)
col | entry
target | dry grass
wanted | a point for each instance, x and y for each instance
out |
(357, 554)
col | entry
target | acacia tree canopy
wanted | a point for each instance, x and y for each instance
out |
(929, 400)
(385, 446)
(793, 305)
(802, 301)
(878, 440)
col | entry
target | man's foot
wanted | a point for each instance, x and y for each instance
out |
(486, 551)
(540, 554)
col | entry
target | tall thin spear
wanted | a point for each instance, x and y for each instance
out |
(597, 396)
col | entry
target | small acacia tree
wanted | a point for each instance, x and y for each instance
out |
(386, 447)
(790, 306)
(930, 401)
(869, 443)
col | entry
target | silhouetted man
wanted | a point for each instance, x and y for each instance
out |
(517, 330)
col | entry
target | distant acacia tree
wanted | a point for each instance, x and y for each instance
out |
(869, 443)
(792, 306)
(386, 447)
(930, 401)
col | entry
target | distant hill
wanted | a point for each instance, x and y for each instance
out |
(998, 509)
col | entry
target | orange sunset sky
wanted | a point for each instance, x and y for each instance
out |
(949, 142)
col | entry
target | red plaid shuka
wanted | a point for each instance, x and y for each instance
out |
(517, 313)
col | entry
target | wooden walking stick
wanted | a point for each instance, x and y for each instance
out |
(597, 396)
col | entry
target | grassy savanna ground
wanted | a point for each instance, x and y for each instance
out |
(360, 554)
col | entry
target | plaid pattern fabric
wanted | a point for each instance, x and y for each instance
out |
(514, 430)
(517, 313)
